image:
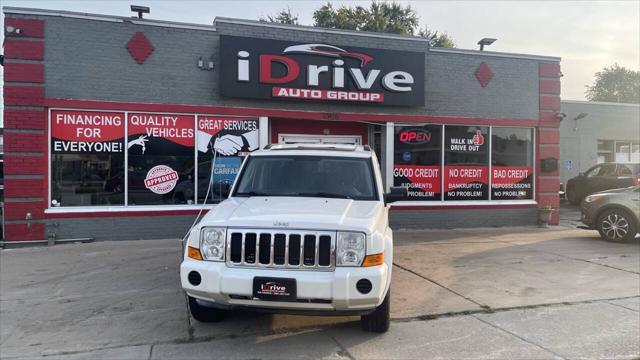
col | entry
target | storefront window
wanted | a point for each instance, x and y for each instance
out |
(161, 164)
(466, 160)
(511, 163)
(417, 161)
(232, 138)
(89, 155)
(87, 158)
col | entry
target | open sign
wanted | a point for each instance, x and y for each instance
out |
(415, 136)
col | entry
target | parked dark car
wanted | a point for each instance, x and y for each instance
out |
(601, 177)
(614, 213)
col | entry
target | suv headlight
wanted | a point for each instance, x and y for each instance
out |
(592, 198)
(212, 243)
(351, 248)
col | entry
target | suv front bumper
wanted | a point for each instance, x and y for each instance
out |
(325, 291)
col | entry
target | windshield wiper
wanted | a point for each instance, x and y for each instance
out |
(325, 195)
(251, 193)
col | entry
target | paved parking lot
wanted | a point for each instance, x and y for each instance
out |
(472, 293)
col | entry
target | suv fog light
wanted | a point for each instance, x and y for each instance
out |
(194, 278)
(212, 243)
(350, 248)
(364, 286)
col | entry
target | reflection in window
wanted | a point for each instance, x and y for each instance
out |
(466, 160)
(87, 179)
(512, 163)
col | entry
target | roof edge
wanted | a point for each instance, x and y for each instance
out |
(495, 54)
(319, 29)
(102, 17)
(585, 102)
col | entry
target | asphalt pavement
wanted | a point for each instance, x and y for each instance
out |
(492, 293)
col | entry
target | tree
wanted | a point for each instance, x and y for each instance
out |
(615, 84)
(283, 17)
(379, 17)
(442, 40)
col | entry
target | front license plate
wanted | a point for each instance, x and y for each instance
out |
(274, 289)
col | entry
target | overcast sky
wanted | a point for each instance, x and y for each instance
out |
(587, 35)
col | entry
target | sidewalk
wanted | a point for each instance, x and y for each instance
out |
(462, 293)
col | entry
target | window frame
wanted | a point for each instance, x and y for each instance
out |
(126, 207)
(490, 201)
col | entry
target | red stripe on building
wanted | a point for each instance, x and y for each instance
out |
(549, 136)
(25, 165)
(25, 188)
(552, 199)
(461, 207)
(549, 70)
(23, 72)
(24, 142)
(548, 102)
(16, 232)
(23, 49)
(28, 27)
(99, 214)
(19, 210)
(23, 95)
(25, 119)
(549, 151)
(549, 87)
(548, 184)
(289, 114)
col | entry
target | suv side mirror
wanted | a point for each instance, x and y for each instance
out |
(396, 193)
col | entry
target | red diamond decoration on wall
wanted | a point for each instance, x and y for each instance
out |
(139, 47)
(484, 74)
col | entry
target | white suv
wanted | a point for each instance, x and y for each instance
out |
(305, 230)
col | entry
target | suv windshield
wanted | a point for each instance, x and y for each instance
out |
(307, 176)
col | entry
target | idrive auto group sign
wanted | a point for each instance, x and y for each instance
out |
(285, 70)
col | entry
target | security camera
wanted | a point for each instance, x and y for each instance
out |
(561, 116)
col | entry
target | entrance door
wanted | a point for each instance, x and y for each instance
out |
(319, 139)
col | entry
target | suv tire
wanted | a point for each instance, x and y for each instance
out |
(205, 314)
(617, 225)
(379, 320)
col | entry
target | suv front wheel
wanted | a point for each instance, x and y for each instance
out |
(617, 225)
(203, 313)
(380, 318)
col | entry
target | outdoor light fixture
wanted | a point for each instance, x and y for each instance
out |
(140, 10)
(485, 41)
(210, 63)
(580, 116)
(200, 63)
(13, 30)
(575, 120)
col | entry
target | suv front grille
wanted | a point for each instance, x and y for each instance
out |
(276, 248)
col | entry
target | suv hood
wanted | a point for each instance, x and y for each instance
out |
(297, 213)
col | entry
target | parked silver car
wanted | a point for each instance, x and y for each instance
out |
(614, 213)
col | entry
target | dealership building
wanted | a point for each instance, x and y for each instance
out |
(111, 122)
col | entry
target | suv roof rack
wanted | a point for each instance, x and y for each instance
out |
(322, 147)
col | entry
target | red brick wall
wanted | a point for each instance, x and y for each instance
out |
(548, 137)
(25, 124)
